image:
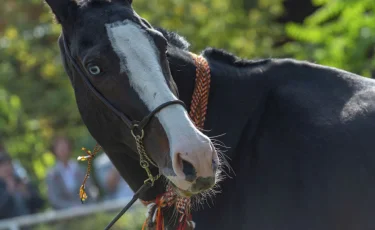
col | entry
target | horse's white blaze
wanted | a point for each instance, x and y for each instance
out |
(140, 60)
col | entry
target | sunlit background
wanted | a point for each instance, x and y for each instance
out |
(37, 101)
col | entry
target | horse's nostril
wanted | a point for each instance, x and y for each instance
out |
(189, 171)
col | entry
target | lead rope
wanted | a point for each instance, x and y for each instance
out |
(198, 110)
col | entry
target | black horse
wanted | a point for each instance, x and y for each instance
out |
(299, 134)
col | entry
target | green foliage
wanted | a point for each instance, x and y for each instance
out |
(339, 34)
(218, 23)
(10, 111)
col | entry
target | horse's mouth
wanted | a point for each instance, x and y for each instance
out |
(182, 193)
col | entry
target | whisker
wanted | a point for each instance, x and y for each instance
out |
(203, 130)
(219, 143)
(220, 135)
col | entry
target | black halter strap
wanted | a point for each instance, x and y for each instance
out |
(136, 127)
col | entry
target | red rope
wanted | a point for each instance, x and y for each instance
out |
(198, 110)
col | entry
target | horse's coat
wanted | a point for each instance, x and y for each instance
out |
(300, 134)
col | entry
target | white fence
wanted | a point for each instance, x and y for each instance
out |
(59, 215)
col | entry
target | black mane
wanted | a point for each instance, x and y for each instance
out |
(231, 59)
(180, 42)
(174, 39)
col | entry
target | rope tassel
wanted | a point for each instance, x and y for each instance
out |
(89, 158)
(155, 218)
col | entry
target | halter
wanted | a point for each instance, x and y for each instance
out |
(136, 127)
(197, 114)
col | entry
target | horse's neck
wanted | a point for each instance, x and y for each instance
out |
(233, 90)
(238, 91)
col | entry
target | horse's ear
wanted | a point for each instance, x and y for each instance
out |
(63, 9)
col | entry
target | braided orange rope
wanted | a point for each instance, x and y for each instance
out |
(198, 110)
(199, 101)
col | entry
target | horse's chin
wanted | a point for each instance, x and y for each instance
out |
(181, 188)
(182, 193)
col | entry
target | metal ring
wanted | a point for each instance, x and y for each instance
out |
(144, 164)
(135, 136)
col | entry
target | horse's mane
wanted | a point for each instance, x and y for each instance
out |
(174, 39)
(229, 58)
(217, 54)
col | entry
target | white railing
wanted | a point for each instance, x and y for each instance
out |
(59, 215)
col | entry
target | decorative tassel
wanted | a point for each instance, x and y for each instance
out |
(159, 219)
(168, 199)
(155, 214)
(182, 225)
(184, 221)
(89, 158)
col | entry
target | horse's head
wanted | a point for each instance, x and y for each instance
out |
(125, 59)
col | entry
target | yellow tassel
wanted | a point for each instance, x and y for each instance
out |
(82, 193)
(89, 157)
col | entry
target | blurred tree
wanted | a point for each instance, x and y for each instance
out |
(339, 34)
(244, 27)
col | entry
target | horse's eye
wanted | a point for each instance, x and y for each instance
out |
(94, 70)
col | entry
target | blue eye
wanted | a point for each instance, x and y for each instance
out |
(94, 70)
